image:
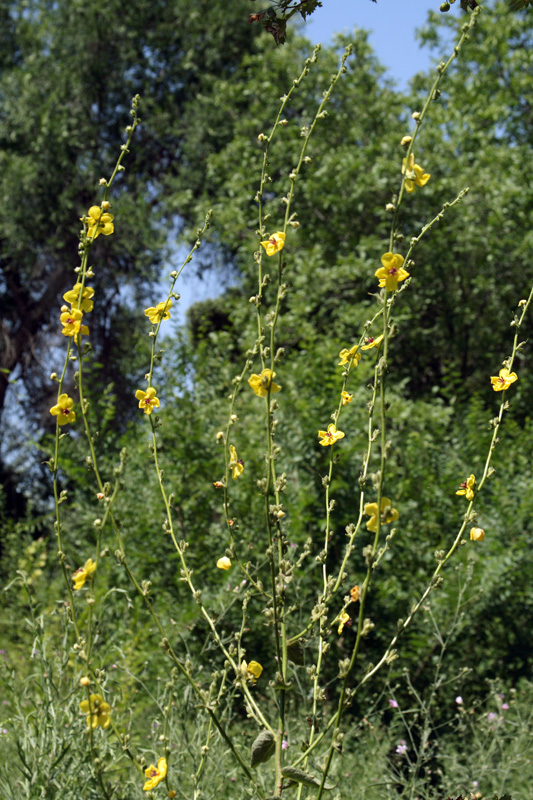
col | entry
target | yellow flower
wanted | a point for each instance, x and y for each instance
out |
(224, 563)
(346, 398)
(351, 356)
(414, 174)
(371, 342)
(388, 514)
(503, 380)
(468, 488)
(98, 712)
(330, 436)
(342, 619)
(262, 384)
(99, 223)
(83, 573)
(73, 297)
(406, 140)
(274, 243)
(391, 272)
(477, 535)
(147, 400)
(71, 321)
(235, 464)
(161, 311)
(251, 671)
(63, 410)
(155, 774)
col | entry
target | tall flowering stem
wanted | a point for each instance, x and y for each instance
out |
(273, 486)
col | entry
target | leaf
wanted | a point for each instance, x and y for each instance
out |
(295, 653)
(262, 748)
(295, 774)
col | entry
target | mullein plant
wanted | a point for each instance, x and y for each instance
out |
(342, 602)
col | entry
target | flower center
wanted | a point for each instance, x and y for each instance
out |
(393, 271)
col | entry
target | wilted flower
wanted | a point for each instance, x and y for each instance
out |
(236, 464)
(388, 514)
(251, 671)
(159, 312)
(468, 488)
(355, 592)
(63, 410)
(342, 619)
(477, 535)
(274, 243)
(330, 436)
(370, 342)
(503, 380)
(224, 563)
(83, 574)
(155, 774)
(147, 400)
(391, 272)
(263, 383)
(98, 712)
(415, 175)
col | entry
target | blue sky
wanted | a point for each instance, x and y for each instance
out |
(393, 25)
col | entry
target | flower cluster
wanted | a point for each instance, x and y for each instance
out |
(80, 299)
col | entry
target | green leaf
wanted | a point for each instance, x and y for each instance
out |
(295, 774)
(295, 653)
(262, 748)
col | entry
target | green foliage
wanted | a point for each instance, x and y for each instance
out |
(156, 518)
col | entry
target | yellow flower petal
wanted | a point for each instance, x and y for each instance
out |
(224, 563)
(263, 383)
(274, 243)
(330, 436)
